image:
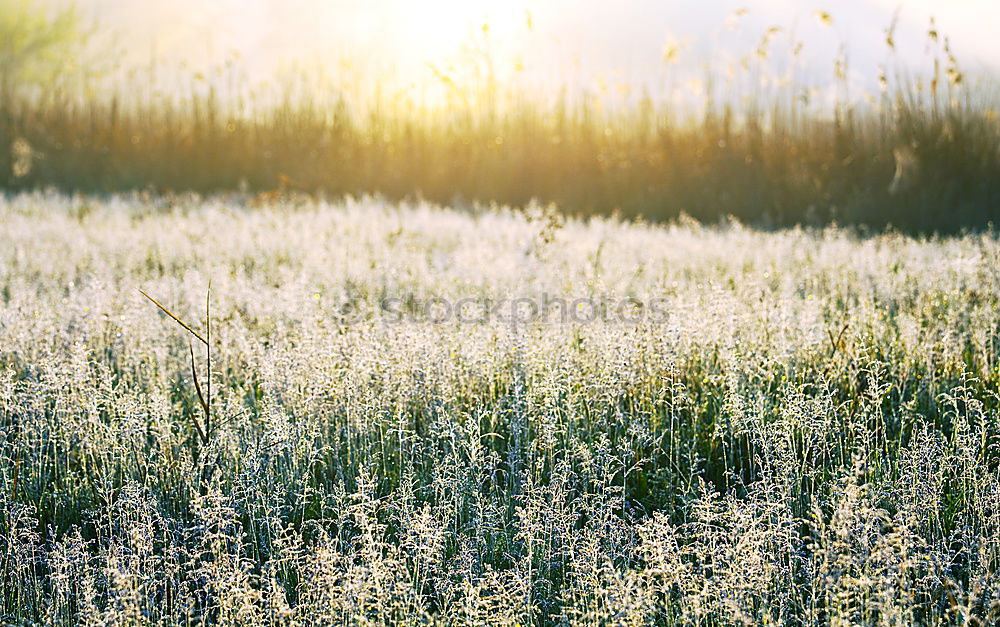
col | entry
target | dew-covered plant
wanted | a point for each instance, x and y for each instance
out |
(805, 433)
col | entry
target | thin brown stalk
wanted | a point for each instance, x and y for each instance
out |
(201, 399)
(208, 356)
(176, 319)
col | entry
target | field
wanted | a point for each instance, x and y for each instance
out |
(621, 423)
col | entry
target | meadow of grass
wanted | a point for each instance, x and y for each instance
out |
(808, 433)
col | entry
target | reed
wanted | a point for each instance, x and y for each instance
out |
(921, 155)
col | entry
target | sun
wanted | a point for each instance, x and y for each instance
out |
(425, 42)
(433, 30)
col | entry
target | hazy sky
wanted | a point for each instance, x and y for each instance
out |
(541, 41)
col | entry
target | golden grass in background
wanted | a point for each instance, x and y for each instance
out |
(921, 155)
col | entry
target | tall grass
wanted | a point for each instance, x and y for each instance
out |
(809, 436)
(923, 154)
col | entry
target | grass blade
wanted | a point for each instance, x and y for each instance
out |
(176, 319)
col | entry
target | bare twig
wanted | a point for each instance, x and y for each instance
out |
(836, 343)
(176, 319)
(208, 357)
(204, 433)
(201, 399)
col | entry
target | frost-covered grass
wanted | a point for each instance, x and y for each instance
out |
(808, 435)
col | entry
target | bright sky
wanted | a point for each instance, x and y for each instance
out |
(543, 42)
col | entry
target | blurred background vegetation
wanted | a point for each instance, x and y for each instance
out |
(921, 155)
